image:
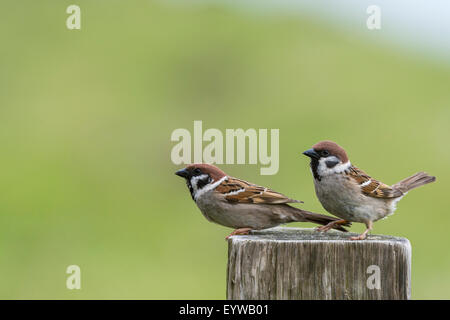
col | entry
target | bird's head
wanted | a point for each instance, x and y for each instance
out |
(201, 177)
(327, 157)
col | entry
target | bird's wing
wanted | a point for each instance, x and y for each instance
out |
(372, 187)
(236, 190)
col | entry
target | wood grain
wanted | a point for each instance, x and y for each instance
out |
(292, 263)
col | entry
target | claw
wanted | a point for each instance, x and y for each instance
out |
(323, 228)
(360, 237)
(331, 225)
(363, 235)
(238, 231)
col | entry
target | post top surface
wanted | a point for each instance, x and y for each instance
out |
(285, 234)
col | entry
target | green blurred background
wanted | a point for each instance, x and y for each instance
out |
(86, 118)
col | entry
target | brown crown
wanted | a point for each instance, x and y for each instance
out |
(333, 148)
(214, 172)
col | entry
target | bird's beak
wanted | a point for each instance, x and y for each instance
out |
(311, 153)
(182, 173)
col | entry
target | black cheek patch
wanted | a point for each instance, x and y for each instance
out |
(314, 165)
(331, 163)
(203, 182)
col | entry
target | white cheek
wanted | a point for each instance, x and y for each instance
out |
(323, 170)
(208, 188)
(194, 180)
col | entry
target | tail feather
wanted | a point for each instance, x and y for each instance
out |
(414, 181)
(307, 216)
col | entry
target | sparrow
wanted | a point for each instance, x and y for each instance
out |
(241, 205)
(349, 193)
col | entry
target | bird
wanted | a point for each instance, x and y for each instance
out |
(349, 193)
(241, 205)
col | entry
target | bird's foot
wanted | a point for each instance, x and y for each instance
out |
(331, 225)
(325, 228)
(238, 232)
(362, 236)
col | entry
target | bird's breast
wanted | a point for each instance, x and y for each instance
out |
(343, 198)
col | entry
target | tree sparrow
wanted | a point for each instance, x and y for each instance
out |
(349, 193)
(241, 205)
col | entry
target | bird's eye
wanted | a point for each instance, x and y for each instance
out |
(324, 153)
(197, 171)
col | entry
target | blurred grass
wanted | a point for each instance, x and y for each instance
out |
(86, 118)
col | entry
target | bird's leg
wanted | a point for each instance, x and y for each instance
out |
(330, 225)
(239, 231)
(363, 235)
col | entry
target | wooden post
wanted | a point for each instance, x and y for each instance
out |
(292, 263)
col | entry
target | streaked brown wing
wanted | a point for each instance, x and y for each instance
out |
(372, 187)
(236, 190)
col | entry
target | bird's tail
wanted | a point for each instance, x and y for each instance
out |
(307, 216)
(416, 180)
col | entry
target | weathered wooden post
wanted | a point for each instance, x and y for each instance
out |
(292, 263)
